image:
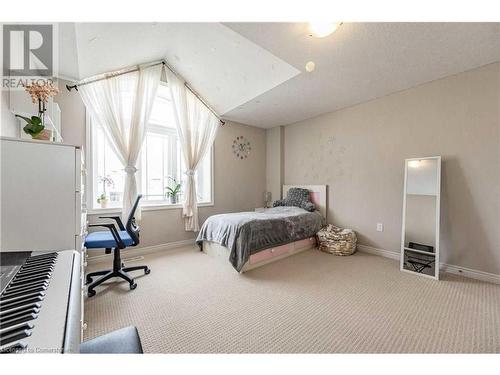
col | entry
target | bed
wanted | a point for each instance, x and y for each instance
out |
(252, 239)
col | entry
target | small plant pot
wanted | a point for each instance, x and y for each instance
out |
(104, 203)
(173, 199)
(44, 135)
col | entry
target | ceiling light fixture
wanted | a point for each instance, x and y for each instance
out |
(310, 66)
(322, 29)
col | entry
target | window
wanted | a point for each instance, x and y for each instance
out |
(160, 164)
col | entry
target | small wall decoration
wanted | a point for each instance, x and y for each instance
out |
(241, 147)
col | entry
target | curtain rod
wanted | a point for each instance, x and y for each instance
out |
(135, 69)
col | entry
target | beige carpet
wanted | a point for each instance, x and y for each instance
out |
(309, 303)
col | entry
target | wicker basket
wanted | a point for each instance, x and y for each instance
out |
(337, 241)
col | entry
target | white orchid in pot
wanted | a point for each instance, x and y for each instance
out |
(174, 190)
(103, 198)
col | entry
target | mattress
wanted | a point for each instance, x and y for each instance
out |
(246, 233)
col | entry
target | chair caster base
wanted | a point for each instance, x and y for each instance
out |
(109, 274)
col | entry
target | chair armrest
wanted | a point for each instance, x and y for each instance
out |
(113, 231)
(115, 218)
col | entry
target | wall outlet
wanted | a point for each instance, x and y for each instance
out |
(380, 227)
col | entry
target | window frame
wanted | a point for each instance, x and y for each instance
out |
(90, 181)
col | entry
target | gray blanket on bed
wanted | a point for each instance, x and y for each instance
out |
(245, 233)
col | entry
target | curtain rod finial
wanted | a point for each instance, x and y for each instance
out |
(69, 88)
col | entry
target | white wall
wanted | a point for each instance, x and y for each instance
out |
(274, 161)
(359, 152)
(72, 115)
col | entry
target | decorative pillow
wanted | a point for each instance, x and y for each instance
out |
(297, 197)
(309, 206)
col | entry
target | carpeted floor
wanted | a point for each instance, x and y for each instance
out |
(309, 303)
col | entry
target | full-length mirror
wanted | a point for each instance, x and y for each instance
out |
(421, 203)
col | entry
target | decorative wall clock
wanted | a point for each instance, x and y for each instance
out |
(241, 147)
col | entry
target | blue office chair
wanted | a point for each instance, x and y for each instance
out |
(115, 240)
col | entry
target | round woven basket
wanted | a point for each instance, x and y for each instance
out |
(337, 241)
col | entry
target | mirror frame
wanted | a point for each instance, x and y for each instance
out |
(438, 211)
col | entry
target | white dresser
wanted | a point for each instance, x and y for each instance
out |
(42, 197)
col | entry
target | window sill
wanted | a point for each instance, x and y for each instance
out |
(151, 207)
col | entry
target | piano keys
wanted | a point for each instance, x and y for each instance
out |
(40, 302)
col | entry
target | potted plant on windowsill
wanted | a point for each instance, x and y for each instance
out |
(103, 198)
(174, 190)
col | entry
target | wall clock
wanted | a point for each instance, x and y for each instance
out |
(241, 147)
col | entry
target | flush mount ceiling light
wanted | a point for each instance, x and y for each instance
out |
(322, 29)
(310, 66)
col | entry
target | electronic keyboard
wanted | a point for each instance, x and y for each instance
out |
(40, 302)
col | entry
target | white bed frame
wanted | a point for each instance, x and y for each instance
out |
(270, 255)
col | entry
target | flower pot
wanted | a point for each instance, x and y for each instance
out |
(173, 199)
(103, 203)
(44, 135)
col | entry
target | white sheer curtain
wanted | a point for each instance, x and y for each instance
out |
(196, 128)
(122, 105)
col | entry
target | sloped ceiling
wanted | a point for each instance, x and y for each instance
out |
(254, 72)
(225, 68)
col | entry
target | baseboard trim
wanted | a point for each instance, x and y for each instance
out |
(470, 273)
(444, 267)
(379, 252)
(134, 252)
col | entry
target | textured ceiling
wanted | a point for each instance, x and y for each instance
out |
(360, 62)
(254, 73)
